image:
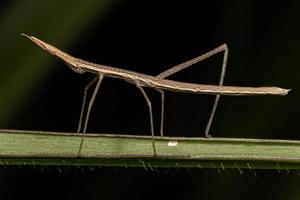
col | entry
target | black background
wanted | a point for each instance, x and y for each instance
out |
(149, 37)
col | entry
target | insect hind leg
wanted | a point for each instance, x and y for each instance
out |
(216, 102)
(193, 61)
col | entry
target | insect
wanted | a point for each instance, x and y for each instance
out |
(159, 83)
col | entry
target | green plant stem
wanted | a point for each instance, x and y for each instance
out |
(49, 148)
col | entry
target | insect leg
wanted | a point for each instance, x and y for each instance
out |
(212, 114)
(89, 110)
(162, 94)
(151, 116)
(193, 61)
(87, 87)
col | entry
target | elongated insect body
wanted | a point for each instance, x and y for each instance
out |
(158, 83)
(80, 66)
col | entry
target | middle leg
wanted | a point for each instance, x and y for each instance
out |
(162, 94)
(151, 116)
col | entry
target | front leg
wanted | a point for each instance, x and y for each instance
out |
(87, 87)
(88, 112)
